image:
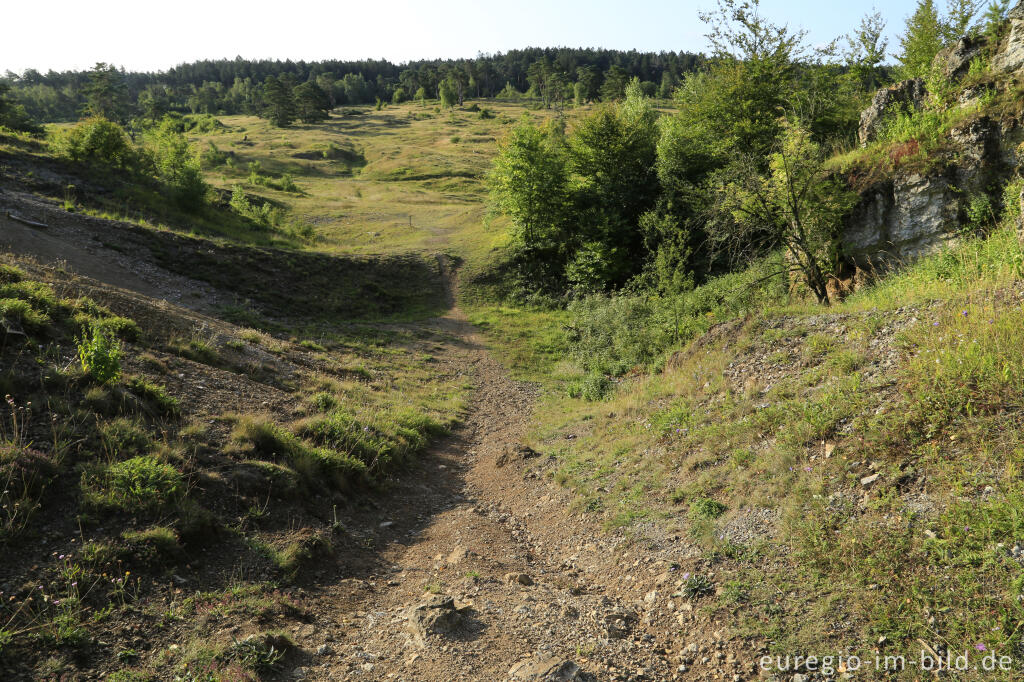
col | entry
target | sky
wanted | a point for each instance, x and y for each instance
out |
(151, 36)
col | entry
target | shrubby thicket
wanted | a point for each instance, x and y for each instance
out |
(635, 220)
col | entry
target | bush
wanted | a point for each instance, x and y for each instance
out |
(177, 165)
(99, 141)
(100, 355)
(704, 508)
(595, 386)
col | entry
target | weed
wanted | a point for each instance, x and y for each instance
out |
(100, 355)
(139, 484)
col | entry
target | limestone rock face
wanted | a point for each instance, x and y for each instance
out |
(904, 95)
(899, 221)
(1012, 57)
(955, 60)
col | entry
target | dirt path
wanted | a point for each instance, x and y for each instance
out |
(535, 588)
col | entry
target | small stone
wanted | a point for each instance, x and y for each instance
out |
(520, 578)
(868, 480)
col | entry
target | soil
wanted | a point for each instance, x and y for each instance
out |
(536, 586)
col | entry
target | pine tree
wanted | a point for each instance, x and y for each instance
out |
(280, 100)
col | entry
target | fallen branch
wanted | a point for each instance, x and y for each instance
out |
(25, 221)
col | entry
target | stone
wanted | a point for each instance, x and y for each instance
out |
(518, 578)
(516, 452)
(955, 60)
(905, 95)
(457, 555)
(1012, 56)
(545, 670)
(439, 615)
(868, 480)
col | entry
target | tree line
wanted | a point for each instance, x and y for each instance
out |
(238, 86)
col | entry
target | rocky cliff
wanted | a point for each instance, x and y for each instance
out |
(918, 208)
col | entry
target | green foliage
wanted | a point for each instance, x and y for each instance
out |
(706, 508)
(447, 94)
(100, 355)
(797, 204)
(139, 484)
(279, 100)
(311, 103)
(97, 141)
(177, 165)
(13, 115)
(592, 387)
(614, 334)
(106, 93)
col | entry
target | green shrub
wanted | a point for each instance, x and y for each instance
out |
(613, 334)
(706, 508)
(594, 386)
(41, 296)
(177, 165)
(17, 311)
(100, 355)
(99, 141)
(116, 326)
(135, 485)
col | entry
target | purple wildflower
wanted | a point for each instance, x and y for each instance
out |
(980, 647)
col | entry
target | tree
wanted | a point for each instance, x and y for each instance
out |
(921, 40)
(529, 182)
(958, 17)
(866, 49)
(995, 17)
(13, 115)
(311, 103)
(279, 100)
(796, 204)
(105, 93)
(612, 156)
(614, 86)
(446, 94)
(153, 103)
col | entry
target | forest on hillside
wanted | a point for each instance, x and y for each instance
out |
(236, 86)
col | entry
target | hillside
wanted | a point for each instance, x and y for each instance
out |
(327, 424)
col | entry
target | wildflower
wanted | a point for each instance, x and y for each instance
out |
(686, 576)
(935, 324)
(980, 647)
(74, 584)
(807, 469)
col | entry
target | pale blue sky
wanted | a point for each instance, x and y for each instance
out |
(141, 35)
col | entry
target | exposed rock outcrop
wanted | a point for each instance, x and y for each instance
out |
(1011, 57)
(905, 95)
(955, 60)
(901, 220)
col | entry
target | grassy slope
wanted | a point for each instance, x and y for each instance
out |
(754, 442)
